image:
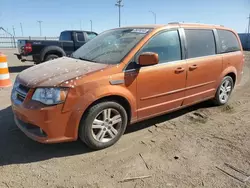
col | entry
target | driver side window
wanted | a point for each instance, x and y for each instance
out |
(166, 45)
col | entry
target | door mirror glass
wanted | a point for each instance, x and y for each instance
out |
(148, 58)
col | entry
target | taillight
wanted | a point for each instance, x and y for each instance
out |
(27, 48)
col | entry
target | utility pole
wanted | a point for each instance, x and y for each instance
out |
(248, 29)
(119, 5)
(154, 14)
(21, 28)
(40, 25)
(90, 25)
(80, 24)
(14, 33)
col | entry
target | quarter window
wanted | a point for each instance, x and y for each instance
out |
(200, 43)
(228, 41)
(166, 45)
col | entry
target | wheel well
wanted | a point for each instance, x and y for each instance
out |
(233, 76)
(53, 52)
(116, 98)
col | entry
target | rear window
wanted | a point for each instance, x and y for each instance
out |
(91, 35)
(228, 41)
(200, 43)
(65, 36)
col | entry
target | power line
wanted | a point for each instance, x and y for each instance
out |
(6, 31)
(40, 25)
(119, 5)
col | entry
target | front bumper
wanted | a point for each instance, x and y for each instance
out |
(45, 125)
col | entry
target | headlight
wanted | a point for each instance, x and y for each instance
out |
(50, 96)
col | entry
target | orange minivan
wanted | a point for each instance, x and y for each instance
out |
(123, 76)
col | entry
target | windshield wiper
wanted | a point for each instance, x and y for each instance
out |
(84, 59)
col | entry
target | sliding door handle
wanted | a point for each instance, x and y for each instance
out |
(179, 70)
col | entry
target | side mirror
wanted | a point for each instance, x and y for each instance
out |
(148, 58)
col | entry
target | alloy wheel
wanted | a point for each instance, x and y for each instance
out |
(225, 90)
(106, 125)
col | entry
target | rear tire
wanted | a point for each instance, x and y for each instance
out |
(103, 125)
(224, 91)
(51, 57)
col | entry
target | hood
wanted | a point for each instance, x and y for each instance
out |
(57, 71)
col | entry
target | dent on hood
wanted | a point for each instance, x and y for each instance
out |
(57, 71)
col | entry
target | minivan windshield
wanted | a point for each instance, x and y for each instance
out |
(110, 47)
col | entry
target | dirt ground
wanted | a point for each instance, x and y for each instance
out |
(182, 149)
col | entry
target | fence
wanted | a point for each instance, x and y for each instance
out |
(11, 41)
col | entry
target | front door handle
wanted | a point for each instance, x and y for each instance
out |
(192, 67)
(179, 70)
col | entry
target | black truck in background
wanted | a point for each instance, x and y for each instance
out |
(44, 50)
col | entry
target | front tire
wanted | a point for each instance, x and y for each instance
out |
(103, 125)
(224, 91)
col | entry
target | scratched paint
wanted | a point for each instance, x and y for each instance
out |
(57, 71)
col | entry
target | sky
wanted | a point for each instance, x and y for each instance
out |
(59, 15)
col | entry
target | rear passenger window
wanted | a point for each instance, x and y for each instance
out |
(65, 36)
(80, 37)
(228, 41)
(166, 45)
(200, 43)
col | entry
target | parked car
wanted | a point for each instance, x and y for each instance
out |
(124, 76)
(45, 50)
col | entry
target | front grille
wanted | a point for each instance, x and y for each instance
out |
(20, 97)
(24, 88)
(20, 93)
(31, 128)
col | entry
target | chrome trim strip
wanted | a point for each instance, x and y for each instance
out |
(176, 91)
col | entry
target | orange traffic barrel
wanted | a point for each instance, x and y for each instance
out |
(4, 72)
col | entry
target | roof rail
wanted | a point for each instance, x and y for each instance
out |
(194, 23)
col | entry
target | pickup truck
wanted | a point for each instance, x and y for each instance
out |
(44, 50)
